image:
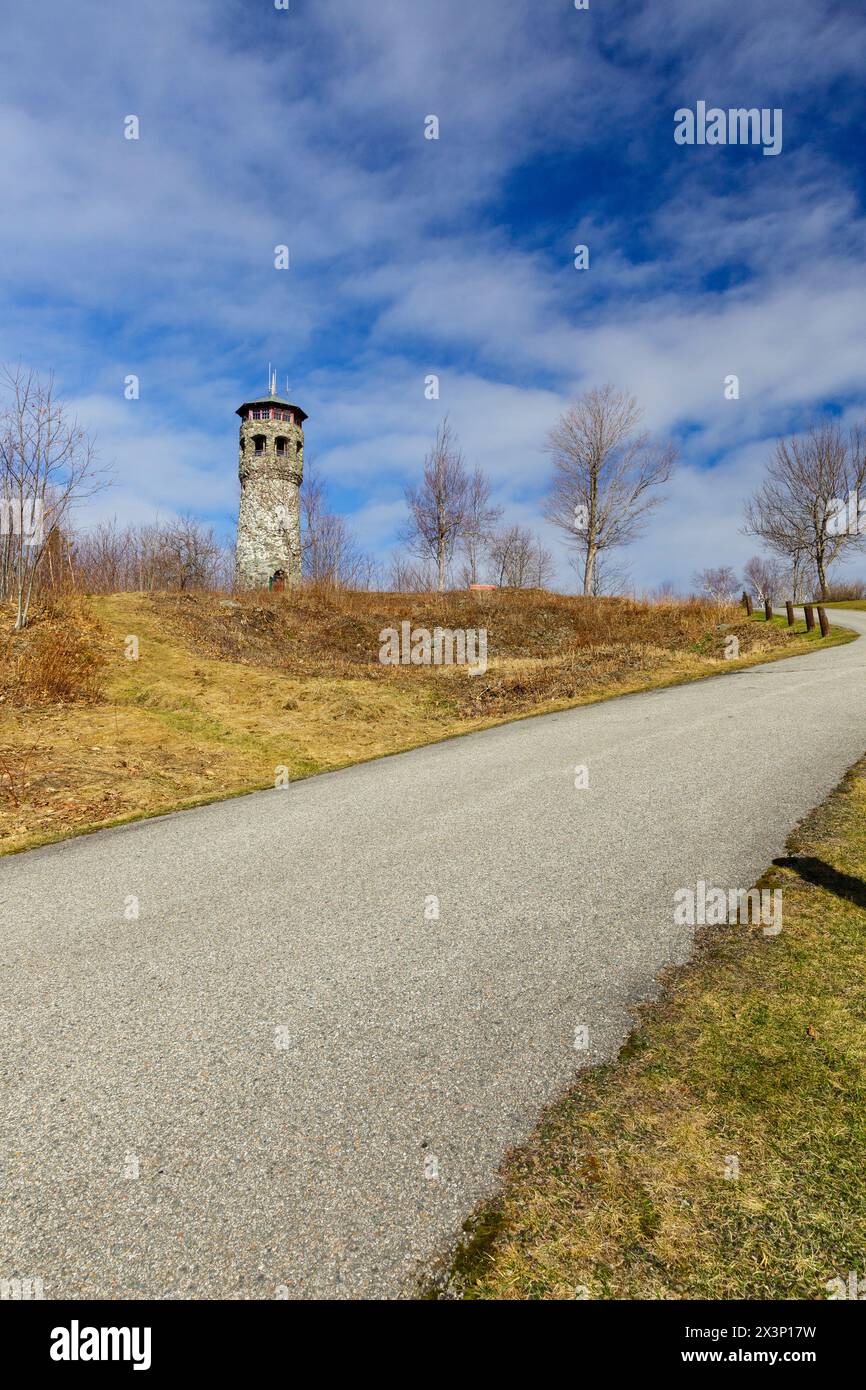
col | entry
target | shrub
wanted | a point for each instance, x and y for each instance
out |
(847, 590)
(58, 658)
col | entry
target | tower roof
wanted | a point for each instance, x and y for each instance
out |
(272, 400)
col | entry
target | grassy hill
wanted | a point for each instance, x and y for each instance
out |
(224, 691)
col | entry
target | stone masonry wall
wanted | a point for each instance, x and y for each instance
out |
(269, 522)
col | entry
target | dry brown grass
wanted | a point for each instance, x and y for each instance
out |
(59, 657)
(226, 691)
(15, 763)
(542, 647)
(58, 660)
(330, 631)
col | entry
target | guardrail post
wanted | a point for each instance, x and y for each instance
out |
(768, 610)
(824, 621)
(789, 608)
(810, 616)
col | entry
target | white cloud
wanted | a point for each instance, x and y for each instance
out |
(411, 257)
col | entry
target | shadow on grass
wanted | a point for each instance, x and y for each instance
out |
(824, 876)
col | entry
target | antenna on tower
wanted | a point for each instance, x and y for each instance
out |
(274, 384)
(269, 374)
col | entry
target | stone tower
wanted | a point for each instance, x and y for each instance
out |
(271, 468)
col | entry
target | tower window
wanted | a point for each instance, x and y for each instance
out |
(259, 442)
(282, 444)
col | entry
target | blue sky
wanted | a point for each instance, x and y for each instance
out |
(410, 257)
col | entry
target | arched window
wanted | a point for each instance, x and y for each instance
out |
(282, 444)
(259, 441)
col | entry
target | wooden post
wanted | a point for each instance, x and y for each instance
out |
(768, 610)
(810, 616)
(824, 621)
(789, 608)
(747, 600)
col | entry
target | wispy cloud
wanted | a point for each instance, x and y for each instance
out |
(453, 257)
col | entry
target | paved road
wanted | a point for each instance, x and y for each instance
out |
(283, 1048)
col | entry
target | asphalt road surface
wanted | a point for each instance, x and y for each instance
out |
(286, 1077)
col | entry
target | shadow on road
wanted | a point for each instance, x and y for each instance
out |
(824, 876)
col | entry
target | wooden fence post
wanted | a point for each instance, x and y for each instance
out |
(789, 607)
(768, 610)
(824, 621)
(747, 600)
(810, 616)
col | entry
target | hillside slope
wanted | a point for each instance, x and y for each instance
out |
(223, 694)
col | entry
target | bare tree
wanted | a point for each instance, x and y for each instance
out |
(192, 553)
(666, 592)
(608, 577)
(47, 463)
(438, 505)
(481, 517)
(796, 509)
(500, 550)
(765, 579)
(180, 554)
(719, 584)
(147, 558)
(329, 551)
(519, 559)
(103, 558)
(606, 474)
(173, 555)
(108, 559)
(406, 578)
(542, 567)
(801, 580)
